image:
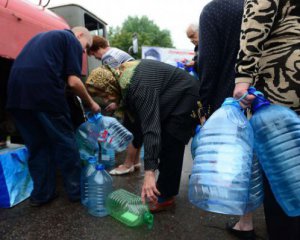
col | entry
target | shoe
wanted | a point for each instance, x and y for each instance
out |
(162, 205)
(243, 235)
(116, 171)
(137, 166)
(34, 203)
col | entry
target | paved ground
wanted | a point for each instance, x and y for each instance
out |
(62, 220)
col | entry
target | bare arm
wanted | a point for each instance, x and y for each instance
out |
(79, 89)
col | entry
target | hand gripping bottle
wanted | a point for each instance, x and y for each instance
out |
(88, 170)
(128, 209)
(87, 135)
(222, 166)
(277, 145)
(117, 136)
(195, 141)
(99, 187)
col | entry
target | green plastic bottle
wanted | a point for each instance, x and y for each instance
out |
(128, 209)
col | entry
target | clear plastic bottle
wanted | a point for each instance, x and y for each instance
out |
(277, 144)
(87, 135)
(99, 187)
(142, 153)
(128, 209)
(87, 171)
(107, 156)
(116, 135)
(222, 166)
(195, 141)
(256, 188)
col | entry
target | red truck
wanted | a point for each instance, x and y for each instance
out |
(20, 20)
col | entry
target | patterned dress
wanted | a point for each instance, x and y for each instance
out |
(269, 56)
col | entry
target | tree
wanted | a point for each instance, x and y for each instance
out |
(148, 33)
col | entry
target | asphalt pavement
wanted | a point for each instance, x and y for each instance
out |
(63, 220)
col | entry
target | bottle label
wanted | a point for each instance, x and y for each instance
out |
(129, 216)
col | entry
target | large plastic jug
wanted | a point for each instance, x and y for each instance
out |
(277, 144)
(195, 141)
(107, 156)
(117, 136)
(256, 188)
(128, 209)
(88, 170)
(86, 137)
(99, 187)
(222, 166)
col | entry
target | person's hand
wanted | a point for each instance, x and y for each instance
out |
(95, 108)
(149, 189)
(239, 91)
(111, 107)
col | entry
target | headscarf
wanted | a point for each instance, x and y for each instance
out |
(105, 81)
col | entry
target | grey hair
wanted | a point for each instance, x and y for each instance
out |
(193, 27)
(84, 31)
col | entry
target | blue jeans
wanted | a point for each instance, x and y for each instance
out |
(51, 142)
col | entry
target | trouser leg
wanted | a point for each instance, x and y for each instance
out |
(279, 225)
(170, 165)
(40, 164)
(60, 130)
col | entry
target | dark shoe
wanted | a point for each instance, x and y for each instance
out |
(243, 235)
(34, 203)
(162, 205)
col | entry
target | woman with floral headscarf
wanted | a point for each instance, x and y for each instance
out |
(160, 99)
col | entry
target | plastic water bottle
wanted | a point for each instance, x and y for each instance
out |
(107, 156)
(190, 69)
(128, 209)
(195, 141)
(277, 144)
(256, 189)
(99, 187)
(142, 153)
(117, 136)
(87, 135)
(87, 171)
(222, 166)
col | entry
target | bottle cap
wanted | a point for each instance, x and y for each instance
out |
(198, 127)
(93, 117)
(100, 167)
(148, 219)
(260, 99)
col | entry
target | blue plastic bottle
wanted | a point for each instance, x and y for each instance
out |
(222, 166)
(256, 189)
(87, 171)
(99, 186)
(117, 136)
(107, 156)
(277, 144)
(195, 141)
(87, 135)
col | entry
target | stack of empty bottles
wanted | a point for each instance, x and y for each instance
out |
(224, 173)
(128, 209)
(277, 144)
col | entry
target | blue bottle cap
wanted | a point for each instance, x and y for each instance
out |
(93, 117)
(100, 167)
(260, 99)
(198, 127)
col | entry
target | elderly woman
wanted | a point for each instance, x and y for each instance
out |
(160, 99)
